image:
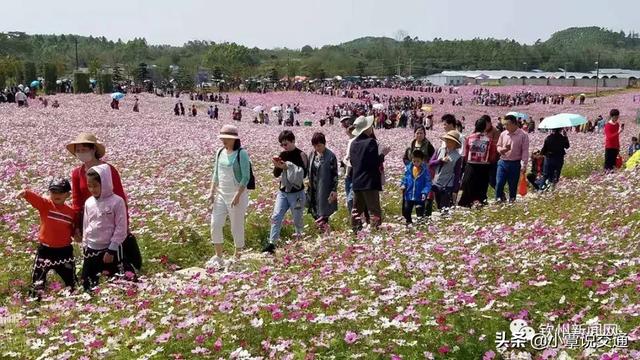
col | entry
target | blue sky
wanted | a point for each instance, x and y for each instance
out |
(295, 23)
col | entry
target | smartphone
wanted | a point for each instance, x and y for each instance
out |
(277, 159)
(622, 126)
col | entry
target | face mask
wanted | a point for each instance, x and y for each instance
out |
(84, 156)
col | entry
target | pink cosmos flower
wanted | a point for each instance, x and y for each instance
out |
(277, 314)
(163, 338)
(217, 346)
(350, 337)
(489, 355)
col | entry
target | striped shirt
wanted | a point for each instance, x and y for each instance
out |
(56, 221)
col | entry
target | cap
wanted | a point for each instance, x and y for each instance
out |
(59, 185)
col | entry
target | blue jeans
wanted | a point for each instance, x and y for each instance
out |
(552, 168)
(349, 193)
(285, 201)
(507, 172)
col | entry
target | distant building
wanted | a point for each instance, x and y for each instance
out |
(448, 78)
(607, 77)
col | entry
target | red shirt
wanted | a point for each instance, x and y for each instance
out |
(56, 221)
(611, 136)
(80, 192)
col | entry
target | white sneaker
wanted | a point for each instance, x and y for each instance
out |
(215, 262)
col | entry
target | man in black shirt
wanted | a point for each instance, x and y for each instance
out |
(291, 167)
(554, 151)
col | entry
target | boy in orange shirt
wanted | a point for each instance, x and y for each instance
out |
(56, 230)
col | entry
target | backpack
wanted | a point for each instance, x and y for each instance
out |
(251, 185)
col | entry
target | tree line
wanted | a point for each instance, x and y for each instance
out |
(24, 57)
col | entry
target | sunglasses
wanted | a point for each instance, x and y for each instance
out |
(284, 144)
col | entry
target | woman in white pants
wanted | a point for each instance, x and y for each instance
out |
(231, 174)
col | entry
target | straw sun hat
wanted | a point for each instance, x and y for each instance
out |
(86, 138)
(452, 135)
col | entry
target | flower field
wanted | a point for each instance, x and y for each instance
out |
(440, 290)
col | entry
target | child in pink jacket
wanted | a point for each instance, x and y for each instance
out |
(104, 227)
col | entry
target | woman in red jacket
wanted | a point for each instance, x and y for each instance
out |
(87, 149)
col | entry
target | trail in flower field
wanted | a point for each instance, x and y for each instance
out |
(442, 289)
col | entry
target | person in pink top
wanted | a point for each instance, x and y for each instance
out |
(513, 147)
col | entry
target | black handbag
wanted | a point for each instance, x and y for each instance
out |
(131, 251)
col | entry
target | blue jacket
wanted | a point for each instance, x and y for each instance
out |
(415, 188)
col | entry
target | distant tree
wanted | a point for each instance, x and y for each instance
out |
(81, 83)
(273, 74)
(185, 79)
(94, 68)
(216, 73)
(50, 78)
(306, 50)
(105, 83)
(142, 73)
(360, 68)
(400, 35)
(117, 74)
(29, 72)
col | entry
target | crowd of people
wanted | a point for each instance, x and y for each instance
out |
(485, 97)
(458, 171)
(434, 176)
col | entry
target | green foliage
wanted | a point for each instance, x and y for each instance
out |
(216, 73)
(141, 73)
(574, 49)
(105, 83)
(29, 72)
(273, 74)
(50, 77)
(81, 83)
(185, 79)
(234, 60)
(117, 75)
(94, 68)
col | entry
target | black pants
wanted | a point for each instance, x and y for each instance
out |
(610, 156)
(366, 201)
(444, 197)
(94, 266)
(58, 259)
(407, 209)
(552, 168)
(475, 183)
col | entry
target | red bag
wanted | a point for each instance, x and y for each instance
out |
(522, 185)
(619, 162)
